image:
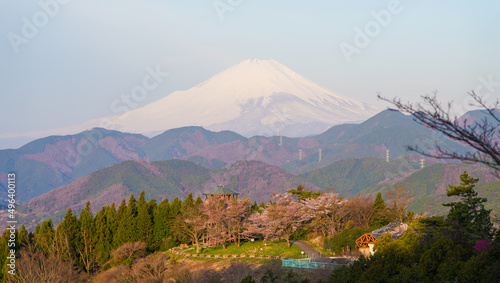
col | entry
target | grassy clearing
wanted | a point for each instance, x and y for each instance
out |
(254, 248)
(181, 259)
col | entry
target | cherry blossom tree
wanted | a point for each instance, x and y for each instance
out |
(237, 213)
(329, 212)
(215, 210)
(279, 220)
(191, 224)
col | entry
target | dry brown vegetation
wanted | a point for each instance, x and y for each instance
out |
(38, 267)
(159, 268)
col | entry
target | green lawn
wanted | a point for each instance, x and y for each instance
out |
(271, 248)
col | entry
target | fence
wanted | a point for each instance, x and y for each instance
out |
(307, 263)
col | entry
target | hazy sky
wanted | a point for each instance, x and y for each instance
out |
(68, 62)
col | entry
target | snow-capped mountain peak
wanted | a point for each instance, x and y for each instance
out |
(254, 97)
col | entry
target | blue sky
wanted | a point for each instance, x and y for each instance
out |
(89, 52)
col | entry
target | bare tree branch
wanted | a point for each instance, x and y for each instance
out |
(483, 137)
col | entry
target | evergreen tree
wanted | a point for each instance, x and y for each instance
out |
(119, 237)
(198, 201)
(68, 237)
(379, 203)
(302, 193)
(104, 235)
(23, 237)
(188, 202)
(151, 206)
(144, 222)
(45, 237)
(381, 211)
(4, 253)
(175, 207)
(469, 214)
(88, 235)
(254, 207)
(131, 220)
(162, 222)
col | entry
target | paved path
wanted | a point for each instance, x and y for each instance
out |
(311, 252)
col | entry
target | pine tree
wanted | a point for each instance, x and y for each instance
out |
(105, 225)
(381, 211)
(87, 250)
(188, 202)
(68, 237)
(119, 237)
(198, 201)
(174, 211)
(45, 237)
(144, 222)
(175, 207)
(4, 253)
(23, 237)
(469, 214)
(126, 223)
(162, 222)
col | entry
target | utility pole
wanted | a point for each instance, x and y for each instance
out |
(319, 160)
(387, 155)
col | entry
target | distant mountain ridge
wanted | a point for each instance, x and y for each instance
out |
(160, 180)
(55, 161)
(429, 186)
(253, 97)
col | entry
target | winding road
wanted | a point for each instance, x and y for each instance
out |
(312, 253)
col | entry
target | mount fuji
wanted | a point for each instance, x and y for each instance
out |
(254, 97)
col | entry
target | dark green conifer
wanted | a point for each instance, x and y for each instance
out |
(45, 237)
(469, 214)
(119, 237)
(188, 202)
(68, 236)
(161, 225)
(144, 222)
(88, 236)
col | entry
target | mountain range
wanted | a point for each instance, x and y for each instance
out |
(48, 163)
(160, 179)
(254, 97)
(258, 181)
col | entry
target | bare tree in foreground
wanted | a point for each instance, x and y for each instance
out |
(400, 199)
(482, 136)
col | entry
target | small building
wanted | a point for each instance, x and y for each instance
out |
(366, 242)
(222, 192)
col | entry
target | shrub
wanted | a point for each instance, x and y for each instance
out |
(344, 241)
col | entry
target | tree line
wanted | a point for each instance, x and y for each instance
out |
(88, 241)
(462, 246)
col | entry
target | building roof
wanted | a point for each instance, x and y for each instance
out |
(221, 190)
(394, 228)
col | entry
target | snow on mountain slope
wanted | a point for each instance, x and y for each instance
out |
(254, 97)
